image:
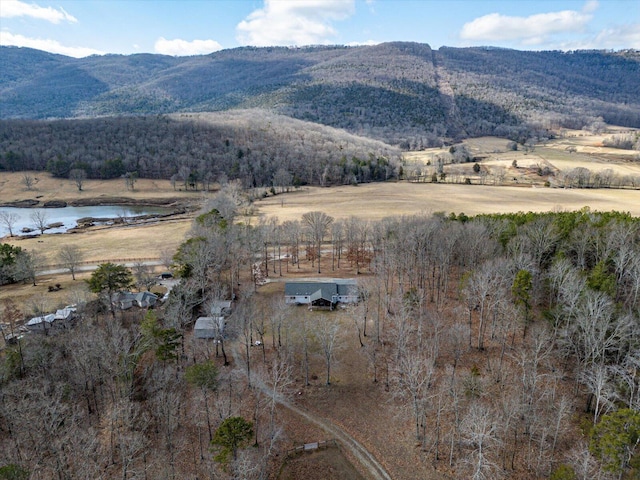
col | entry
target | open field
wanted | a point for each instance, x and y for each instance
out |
(571, 150)
(111, 243)
(376, 201)
(47, 187)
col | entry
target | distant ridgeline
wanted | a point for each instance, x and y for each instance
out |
(402, 94)
(393, 91)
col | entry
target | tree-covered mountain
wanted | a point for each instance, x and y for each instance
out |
(402, 93)
(260, 148)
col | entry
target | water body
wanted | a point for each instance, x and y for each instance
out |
(69, 216)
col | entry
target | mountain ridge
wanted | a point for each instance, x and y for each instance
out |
(402, 93)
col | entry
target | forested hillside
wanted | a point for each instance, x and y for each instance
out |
(402, 93)
(193, 150)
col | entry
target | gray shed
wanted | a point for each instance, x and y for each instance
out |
(209, 327)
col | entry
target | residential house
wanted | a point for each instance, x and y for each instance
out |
(326, 293)
(62, 319)
(126, 300)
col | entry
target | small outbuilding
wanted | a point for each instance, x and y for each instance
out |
(209, 327)
(221, 308)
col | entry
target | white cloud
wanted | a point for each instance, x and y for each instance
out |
(300, 22)
(614, 38)
(48, 45)
(179, 47)
(591, 6)
(626, 36)
(16, 8)
(368, 43)
(532, 30)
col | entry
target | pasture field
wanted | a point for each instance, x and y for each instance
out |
(523, 190)
(112, 243)
(47, 188)
(376, 201)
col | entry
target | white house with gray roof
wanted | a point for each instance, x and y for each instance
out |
(326, 293)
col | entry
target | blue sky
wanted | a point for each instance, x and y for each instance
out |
(191, 27)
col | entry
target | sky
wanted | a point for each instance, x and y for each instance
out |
(79, 28)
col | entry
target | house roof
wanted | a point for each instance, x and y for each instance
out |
(41, 319)
(137, 297)
(208, 327)
(208, 323)
(315, 290)
(140, 296)
(65, 313)
(347, 288)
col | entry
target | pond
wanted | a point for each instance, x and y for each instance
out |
(69, 216)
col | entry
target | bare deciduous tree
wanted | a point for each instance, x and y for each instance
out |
(415, 374)
(479, 429)
(78, 175)
(9, 219)
(70, 257)
(28, 180)
(143, 275)
(328, 329)
(40, 219)
(317, 224)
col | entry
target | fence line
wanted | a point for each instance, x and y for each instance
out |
(98, 262)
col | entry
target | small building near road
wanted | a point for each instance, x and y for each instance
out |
(321, 293)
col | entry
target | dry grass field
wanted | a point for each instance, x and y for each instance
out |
(47, 187)
(376, 201)
(589, 154)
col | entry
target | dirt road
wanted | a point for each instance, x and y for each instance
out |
(375, 470)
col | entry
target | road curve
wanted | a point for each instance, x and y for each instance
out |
(366, 458)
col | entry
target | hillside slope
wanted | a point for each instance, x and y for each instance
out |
(253, 145)
(401, 93)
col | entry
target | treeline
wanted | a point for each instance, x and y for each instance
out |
(197, 149)
(628, 141)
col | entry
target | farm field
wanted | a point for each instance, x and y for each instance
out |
(47, 188)
(376, 201)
